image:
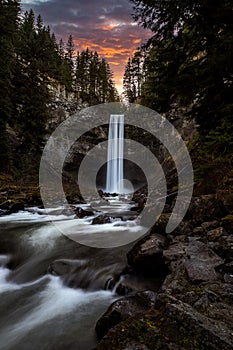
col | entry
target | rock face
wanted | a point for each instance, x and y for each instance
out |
(206, 208)
(169, 324)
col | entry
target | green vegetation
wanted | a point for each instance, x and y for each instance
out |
(32, 63)
(9, 12)
(187, 62)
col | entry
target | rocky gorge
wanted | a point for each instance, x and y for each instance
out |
(176, 288)
(174, 291)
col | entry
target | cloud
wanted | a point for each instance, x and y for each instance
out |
(101, 25)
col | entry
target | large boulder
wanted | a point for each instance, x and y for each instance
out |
(61, 267)
(124, 308)
(197, 258)
(147, 255)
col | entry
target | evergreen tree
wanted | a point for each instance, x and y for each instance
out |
(188, 63)
(34, 66)
(137, 73)
(9, 12)
(68, 64)
(70, 50)
(127, 82)
(133, 77)
(82, 75)
(61, 50)
(63, 67)
(189, 57)
(30, 61)
(94, 79)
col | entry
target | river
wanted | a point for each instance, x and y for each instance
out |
(40, 310)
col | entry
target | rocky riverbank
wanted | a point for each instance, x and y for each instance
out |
(193, 307)
(176, 289)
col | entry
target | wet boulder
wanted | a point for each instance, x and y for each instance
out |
(6, 205)
(3, 212)
(78, 273)
(124, 284)
(81, 213)
(101, 219)
(146, 256)
(122, 309)
(63, 267)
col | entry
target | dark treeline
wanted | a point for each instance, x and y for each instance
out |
(94, 79)
(187, 62)
(31, 61)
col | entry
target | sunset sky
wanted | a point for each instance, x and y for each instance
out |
(105, 26)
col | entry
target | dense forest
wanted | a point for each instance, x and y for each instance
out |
(96, 270)
(187, 63)
(32, 62)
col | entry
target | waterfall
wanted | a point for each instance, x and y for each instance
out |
(115, 173)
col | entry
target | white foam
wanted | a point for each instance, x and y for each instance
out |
(26, 217)
(53, 301)
(47, 235)
(4, 259)
(6, 285)
(42, 215)
(44, 236)
(82, 226)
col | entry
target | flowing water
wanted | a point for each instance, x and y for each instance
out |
(115, 176)
(39, 310)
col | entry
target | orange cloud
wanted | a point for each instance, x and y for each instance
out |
(114, 63)
(117, 53)
(107, 28)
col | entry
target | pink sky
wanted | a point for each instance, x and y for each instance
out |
(103, 26)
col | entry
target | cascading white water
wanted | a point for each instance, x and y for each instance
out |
(115, 172)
